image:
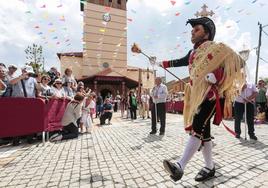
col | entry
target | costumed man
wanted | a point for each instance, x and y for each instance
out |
(215, 75)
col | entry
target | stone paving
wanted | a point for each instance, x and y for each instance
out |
(125, 155)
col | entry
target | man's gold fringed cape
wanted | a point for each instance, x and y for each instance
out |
(208, 57)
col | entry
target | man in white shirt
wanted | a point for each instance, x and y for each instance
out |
(159, 95)
(24, 85)
(248, 95)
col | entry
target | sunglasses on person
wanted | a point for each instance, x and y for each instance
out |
(59, 83)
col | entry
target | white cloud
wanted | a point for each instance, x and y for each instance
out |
(226, 30)
(159, 5)
(17, 36)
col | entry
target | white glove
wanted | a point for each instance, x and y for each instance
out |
(210, 78)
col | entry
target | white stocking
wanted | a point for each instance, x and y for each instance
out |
(190, 149)
(207, 154)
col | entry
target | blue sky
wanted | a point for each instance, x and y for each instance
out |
(156, 25)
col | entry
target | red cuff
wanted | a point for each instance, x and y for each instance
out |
(165, 64)
(219, 74)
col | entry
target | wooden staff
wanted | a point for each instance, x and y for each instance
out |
(136, 49)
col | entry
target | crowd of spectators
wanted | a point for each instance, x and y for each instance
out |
(52, 85)
(25, 83)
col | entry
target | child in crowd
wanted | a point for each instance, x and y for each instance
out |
(260, 117)
(92, 106)
(86, 120)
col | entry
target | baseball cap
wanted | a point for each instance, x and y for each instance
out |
(28, 69)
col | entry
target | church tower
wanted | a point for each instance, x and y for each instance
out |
(105, 36)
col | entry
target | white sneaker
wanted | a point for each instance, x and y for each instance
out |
(56, 138)
(53, 136)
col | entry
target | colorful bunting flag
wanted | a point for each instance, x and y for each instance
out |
(187, 3)
(45, 15)
(173, 2)
(62, 18)
(177, 14)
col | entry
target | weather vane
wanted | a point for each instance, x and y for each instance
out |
(204, 12)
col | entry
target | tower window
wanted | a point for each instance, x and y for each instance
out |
(119, 2)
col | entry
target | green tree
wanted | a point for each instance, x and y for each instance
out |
(34, 57)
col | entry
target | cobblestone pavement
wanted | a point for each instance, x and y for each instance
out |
(125, 155)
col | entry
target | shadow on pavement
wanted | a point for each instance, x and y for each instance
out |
(152, 138)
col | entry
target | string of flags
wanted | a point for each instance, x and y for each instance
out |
(60, 25)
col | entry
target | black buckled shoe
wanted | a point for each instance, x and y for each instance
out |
(205, 174)
(175, 171)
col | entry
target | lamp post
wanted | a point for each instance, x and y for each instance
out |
(259, 49)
